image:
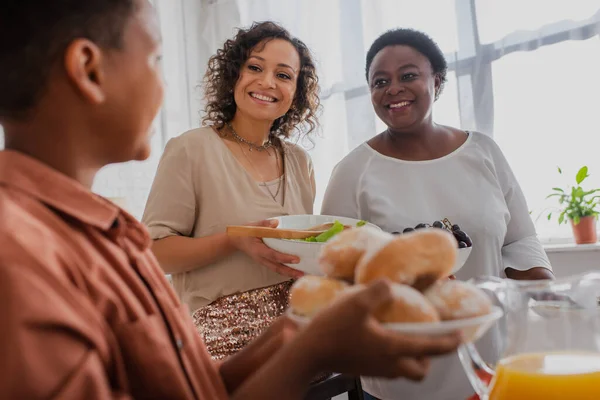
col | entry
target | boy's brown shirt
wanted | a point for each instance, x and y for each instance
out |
(85, 310)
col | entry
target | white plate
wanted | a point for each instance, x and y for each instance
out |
(553, 309)
(308, 252)
(471, 328)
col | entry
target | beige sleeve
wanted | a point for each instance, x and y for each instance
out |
(305, 165)
(172, 204)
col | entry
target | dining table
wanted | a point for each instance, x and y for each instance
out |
(335, 385)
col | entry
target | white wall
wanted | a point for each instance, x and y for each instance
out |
(573, 259)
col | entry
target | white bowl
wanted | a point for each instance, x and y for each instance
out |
(471, 328)
(308, 252)
(461, 258)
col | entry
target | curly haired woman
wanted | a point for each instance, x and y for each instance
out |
(260, 88)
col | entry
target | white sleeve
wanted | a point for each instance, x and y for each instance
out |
(341, 195)
(522, 249)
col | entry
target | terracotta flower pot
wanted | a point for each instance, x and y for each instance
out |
(585, 231)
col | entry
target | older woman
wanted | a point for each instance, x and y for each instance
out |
(260, 87)
(417, 171)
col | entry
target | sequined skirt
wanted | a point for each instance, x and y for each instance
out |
(228, 324)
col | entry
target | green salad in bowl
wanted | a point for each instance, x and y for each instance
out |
(308, 249)
(336, 228)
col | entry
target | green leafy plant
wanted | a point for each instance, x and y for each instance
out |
(575, 202)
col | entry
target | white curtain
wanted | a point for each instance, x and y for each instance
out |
(524, 71)
(130, 183)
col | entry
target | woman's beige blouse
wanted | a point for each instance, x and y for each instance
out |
(200, 188)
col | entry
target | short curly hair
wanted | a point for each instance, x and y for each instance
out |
(419, 41)
(34, 35)
(224, 71)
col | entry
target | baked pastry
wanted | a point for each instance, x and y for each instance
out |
(340, 255)
(417, 258)
(310, 294)
(458, 300)
(408, 305)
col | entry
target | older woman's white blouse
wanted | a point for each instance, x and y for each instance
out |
(473, 187)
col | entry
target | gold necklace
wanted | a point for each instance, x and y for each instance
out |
(281, 177)
(268, 144)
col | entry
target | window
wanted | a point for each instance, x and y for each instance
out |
(435, 17)
(522, 71)
(498, 19)
(525, 72)
(544, 61)
(552, 122)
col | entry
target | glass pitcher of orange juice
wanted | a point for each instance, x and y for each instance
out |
(552, 341)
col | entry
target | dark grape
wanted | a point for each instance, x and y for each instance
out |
(455, 228)
(438, 224)
(406, 230)
(421, 226)
(462, 245)
(460, 236)
(468, 240)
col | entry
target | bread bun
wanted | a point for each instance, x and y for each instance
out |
(458, 300)
(310, 294)
(417, 258)
(340, 255)
(408, 305)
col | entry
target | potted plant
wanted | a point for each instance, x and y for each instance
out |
(579, 207)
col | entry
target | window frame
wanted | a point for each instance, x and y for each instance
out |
(471, 63)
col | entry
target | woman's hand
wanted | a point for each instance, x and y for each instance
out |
(535, 274)
(259, 252)
(532, 274)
